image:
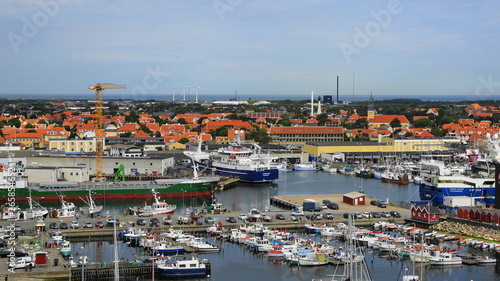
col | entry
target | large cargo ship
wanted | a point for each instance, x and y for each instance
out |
(13, 183)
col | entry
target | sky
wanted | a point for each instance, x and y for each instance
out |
(258, 47)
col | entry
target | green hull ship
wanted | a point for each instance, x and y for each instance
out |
(109, 191)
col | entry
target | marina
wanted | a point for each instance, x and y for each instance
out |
(290, 187)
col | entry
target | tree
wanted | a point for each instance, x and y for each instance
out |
(284, 122)
(424, 123)
(42, 121)
(183, 140)
(259, 135)
(158, 134)
(361, 123)
(15, 122)
(145, 129)
(181, 121)
(125, 135)
(221, 131)
(395, 123)
(322, 118)
(29, 126)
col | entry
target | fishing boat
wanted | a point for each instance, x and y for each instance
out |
(395, 175)
(312, 259)
(65, 248)
(67, 210)
(237, 161)
(157, 208)
(485, 260)
(329, 168)
(201, 246)
(444, 259)
(306, 167)
(92, 210)
(191, 268)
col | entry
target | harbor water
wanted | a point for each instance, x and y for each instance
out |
(235, 262)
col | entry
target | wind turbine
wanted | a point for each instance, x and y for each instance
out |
(173, 91)
(184, 90)
(196, 87)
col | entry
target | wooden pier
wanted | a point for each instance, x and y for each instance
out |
(226, 184)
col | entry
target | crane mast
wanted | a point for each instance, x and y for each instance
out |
(99, 133)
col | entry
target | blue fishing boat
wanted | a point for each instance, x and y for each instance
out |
(185, 268)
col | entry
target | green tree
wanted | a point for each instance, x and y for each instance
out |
(221, 131)
(424, 123)
(15, 122)
(361, 123)
(145, 129)
(258, 135)
(181, 121)
(395, 123)
(184, 140)
(42, 121)
(322, 118)
(29, 126)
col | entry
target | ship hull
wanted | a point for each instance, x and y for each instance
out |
(436, 194)
(113, 192)
(264, 175)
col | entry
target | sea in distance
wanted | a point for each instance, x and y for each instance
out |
(254, 96)
(235, 262)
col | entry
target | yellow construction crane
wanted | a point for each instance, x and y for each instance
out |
(99, 134)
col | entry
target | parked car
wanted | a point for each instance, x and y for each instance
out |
(87, 224)
(328, 216)
(99, 224)
(385, 214)
(265, 217)
(140, 222)
(6, 252)
(280, 217)
(3, 243)
(231, 219)
(182, 220)
(333, 205)
(154, 222)
(375, 214)
(317, 209)
(53, 225)
(357, 216)
(243, 217)
(316, 216)
(374, 202)
(209, 220)
(381, 204)
(325, 201)
(395, 214)
(297, 213)
(63, 225)
(74, 225)
(167, 220)
(345, 215)
(366, 215)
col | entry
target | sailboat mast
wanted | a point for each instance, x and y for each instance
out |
(117, 270)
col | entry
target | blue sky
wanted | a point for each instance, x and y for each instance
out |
(410, 48)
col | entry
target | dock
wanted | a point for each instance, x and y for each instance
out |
(226, 184)
(290, 202)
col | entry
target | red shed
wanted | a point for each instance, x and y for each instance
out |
(354, 198)
(425, 213)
